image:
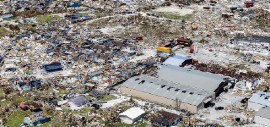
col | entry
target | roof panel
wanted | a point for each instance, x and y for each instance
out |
(261, 98)
(193, 78)
(153, 86)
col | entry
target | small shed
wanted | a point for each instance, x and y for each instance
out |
(131, 115)
(55, 66)
(23, 106)
(36, 119)
(78, 101)
(166, 119)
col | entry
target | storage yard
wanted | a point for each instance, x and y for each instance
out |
(134, 63)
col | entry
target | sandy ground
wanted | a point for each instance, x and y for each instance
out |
(175, 9)
(112, 29)
(226, 100)
(114, 102)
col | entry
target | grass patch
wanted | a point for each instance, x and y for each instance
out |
(141, 124)
(107, 98)
(53, 123)
(2, 93)
(83, 111)
(16, 118)
(100, 14)
(20, 99)
(169, 15)
(42, 19)
(5, 103)
(3, 32)
(27, 27)
(62, 91)
(84, 14)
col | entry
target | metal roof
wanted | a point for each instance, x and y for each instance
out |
(168, 90)
(264, 112)
(261, 98)
(133, 113)
(188, 77)
(79, 100)
(175, 60)
(53, 67)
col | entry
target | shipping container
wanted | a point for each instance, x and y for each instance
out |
(164, 49)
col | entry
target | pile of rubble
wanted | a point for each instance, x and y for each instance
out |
(217, 69)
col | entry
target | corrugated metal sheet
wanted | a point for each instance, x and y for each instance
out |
(191, 78)
(175, 60)
(168, 90)
(261, 98)
(133, 113)
(264, 112)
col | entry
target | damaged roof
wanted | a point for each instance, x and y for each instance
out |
(261, 98)
(188, 77)
(168, 90)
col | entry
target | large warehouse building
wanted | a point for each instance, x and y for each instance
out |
(178, 87)
(163, 92)
(192, 78)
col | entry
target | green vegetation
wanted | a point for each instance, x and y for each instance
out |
(2, 93)
(83, 111)
(170, 15)
(20, 99)
(107, 98)
(62, 91)
(41, 19)
(16, 118)
(5, 103)
(100, 14)
(53, 123)
(3, 32)
(84, 14)
(141, 124)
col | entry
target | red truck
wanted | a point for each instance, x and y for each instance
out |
(184, 41)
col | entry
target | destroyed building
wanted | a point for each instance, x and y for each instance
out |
(36, 119)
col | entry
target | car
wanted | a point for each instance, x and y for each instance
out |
(187, 4)
(24, 125)
(219, 108)
(96, 106)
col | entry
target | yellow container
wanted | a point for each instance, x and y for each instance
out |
(164, 49)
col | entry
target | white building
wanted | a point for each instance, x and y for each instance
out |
(263, 116)
(131, 115)
(259, 100)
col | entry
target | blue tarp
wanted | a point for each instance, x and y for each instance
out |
(75, 5)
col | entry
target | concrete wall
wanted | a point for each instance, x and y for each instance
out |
(158, 99)
(126, 120)
(260, 120)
